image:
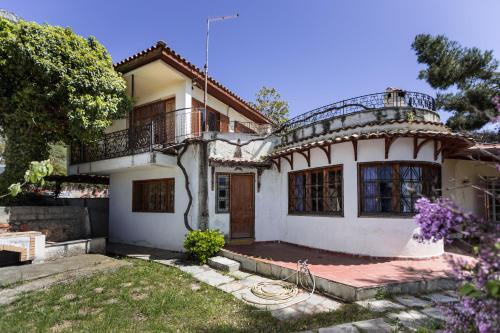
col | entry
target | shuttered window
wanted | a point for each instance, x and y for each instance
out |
(155, 195)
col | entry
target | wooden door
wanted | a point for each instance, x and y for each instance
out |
(242, 206)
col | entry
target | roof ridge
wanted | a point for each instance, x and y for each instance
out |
(163, 45)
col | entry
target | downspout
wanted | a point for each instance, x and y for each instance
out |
(188, 191)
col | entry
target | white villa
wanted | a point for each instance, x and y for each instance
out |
(343, 177)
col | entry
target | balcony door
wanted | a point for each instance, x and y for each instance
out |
(160, 115)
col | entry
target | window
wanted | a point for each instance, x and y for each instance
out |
(394, 187)
(315, 191)
(492, 199)
(156, 195)
(222, 200)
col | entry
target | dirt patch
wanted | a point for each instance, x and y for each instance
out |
(68, 297)
(137, 296)
(64, 325)
(98, 290)
(139, 317)
(86, 311)
(111, 301)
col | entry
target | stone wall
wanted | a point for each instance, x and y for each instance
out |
(57, 223)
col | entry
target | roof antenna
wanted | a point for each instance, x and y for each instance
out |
(210, 20)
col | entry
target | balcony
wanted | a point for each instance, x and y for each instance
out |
(391, 98)
(160, 133)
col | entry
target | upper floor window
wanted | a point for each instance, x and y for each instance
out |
(394, 187)
(155, 195)
(315, 191)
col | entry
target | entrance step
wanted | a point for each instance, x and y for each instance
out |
(224, 264)
(242, 241)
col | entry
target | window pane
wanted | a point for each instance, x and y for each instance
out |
(153, 195)
(395, 187)
(316, 191)
(222, 200)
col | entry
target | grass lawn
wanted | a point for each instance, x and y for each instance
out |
(149, 297)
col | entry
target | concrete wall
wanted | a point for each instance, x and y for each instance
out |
(57, 223)
(459, 177)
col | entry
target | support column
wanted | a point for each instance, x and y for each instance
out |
(203, 186)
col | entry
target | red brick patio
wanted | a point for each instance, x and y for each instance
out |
(347, 269)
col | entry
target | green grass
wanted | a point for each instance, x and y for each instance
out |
(149, 297)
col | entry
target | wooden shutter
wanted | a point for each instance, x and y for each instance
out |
(223, 123)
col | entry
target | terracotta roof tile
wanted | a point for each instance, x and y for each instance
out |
(369, 135)
(162, 45)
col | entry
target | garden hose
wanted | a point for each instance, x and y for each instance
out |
(281, 292)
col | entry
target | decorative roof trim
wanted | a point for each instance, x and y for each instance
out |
(215, 88)
(372, 135)
(372, 123)
(216, 161)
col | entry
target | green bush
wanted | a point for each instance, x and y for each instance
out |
(203, 244)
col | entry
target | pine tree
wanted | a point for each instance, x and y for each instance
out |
(467, 78)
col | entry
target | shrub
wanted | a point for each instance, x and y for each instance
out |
(203, 244)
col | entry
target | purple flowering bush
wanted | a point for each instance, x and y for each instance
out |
(479, 307)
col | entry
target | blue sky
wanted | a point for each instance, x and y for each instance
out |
(313, 52)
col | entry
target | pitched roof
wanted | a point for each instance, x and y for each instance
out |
(161, 51)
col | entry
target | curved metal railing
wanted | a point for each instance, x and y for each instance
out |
(394, 98)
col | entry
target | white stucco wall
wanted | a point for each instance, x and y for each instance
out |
(159, 230)
(381, 236)
(268, 222)
(458, 178)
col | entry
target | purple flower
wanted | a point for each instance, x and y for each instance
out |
(478, 311)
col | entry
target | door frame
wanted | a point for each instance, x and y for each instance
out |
(230, 203)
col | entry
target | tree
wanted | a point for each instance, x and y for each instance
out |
(470, 74)
(268, 101)
(56, 86)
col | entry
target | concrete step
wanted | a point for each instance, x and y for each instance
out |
(223, 264)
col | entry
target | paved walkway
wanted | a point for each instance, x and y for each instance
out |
(33, 277)
(347, 269)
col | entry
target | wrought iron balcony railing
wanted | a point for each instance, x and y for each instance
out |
(393, 98)
(160, 133)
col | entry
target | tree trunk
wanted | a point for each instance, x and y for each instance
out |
(23, 145)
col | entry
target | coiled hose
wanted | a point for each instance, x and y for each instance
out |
(281, 292)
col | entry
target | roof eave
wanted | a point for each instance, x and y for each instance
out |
(217, 90)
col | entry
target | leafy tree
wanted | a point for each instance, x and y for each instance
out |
(58, 157)
(268, 101)
(470, 74)
(56, 86)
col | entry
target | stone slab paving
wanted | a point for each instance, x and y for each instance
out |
(224, 264)
(440, 298)
(411, 319)
(380, 305)
(412, 301)
(378, 325)
(213, 278)
(433, 313)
